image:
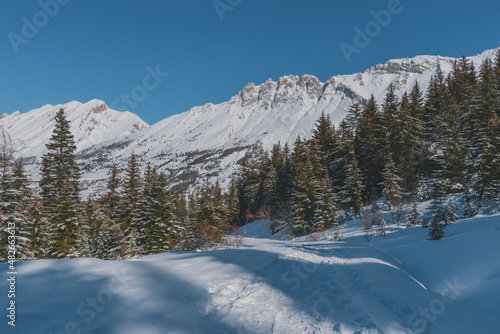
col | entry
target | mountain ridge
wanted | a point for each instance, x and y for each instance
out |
(210, 140)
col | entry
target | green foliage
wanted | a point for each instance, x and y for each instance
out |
(59, 185)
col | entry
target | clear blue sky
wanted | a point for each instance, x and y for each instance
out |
(100, 49)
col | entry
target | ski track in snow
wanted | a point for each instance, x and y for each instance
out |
(265, 286)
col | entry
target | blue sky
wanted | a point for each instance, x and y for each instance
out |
(106, 49)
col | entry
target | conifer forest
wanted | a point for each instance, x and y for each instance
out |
(420, 147)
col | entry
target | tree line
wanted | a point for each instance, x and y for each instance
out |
(419, 147)
(138, 214)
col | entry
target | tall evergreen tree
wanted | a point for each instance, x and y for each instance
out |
(6, 201)
(324, 136)
(37, 228)
(21, 201)
(232, 200)
(484, 163)
(158, 227)
(130, 192)
(352, 193)
(392, 185)
(414, 218)
(304, 197)
(370, 151)
(111, 199)
(325, 208)
(59, 182)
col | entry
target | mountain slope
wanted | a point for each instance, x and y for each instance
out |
(91, 123)
(210, 140)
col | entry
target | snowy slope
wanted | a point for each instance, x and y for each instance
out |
(211, 139)
(275, 286)
(91, 123)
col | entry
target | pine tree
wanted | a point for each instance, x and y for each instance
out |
(253, 187)
(304, 197)
(437, 226)
(180, 206)
(130, 192)
(271, 188)
(370, 148)
(284, 187)
(157, 225)
(414, 218)
(352, 192)
(21, 200)
(436, 230)
(381, 226)
(484, 163)
(387, 129)
(206, 207)
(189, 238)
(443, 214)
(111, 199)
(412, 158)
(454, 126)
(232, 201)
(392, 185)
(37, 228)
(221, 219)
(324, 137)
(6, 201)
(59, 182)
(325, 210)
(93, 242)
(433, 112)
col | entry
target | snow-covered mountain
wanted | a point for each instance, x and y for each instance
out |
(91, 123)
(209, 140)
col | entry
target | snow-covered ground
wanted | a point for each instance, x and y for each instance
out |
(401, 283)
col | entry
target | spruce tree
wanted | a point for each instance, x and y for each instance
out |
(37, 228)
(443, 214)
(271, 188)
(436, 230)
(324, 137)
(434, 109)
(21, 201)
(414, 218)
(325, 208)
(370, 150)
(59, 183)
(232, 201)
(484, 164)
(392, 185)
(6, 201)
(130, 192)
(91, 239)
(207, 210)
(157, 225)
(304, 197)
(111, 199)
(352, 192)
